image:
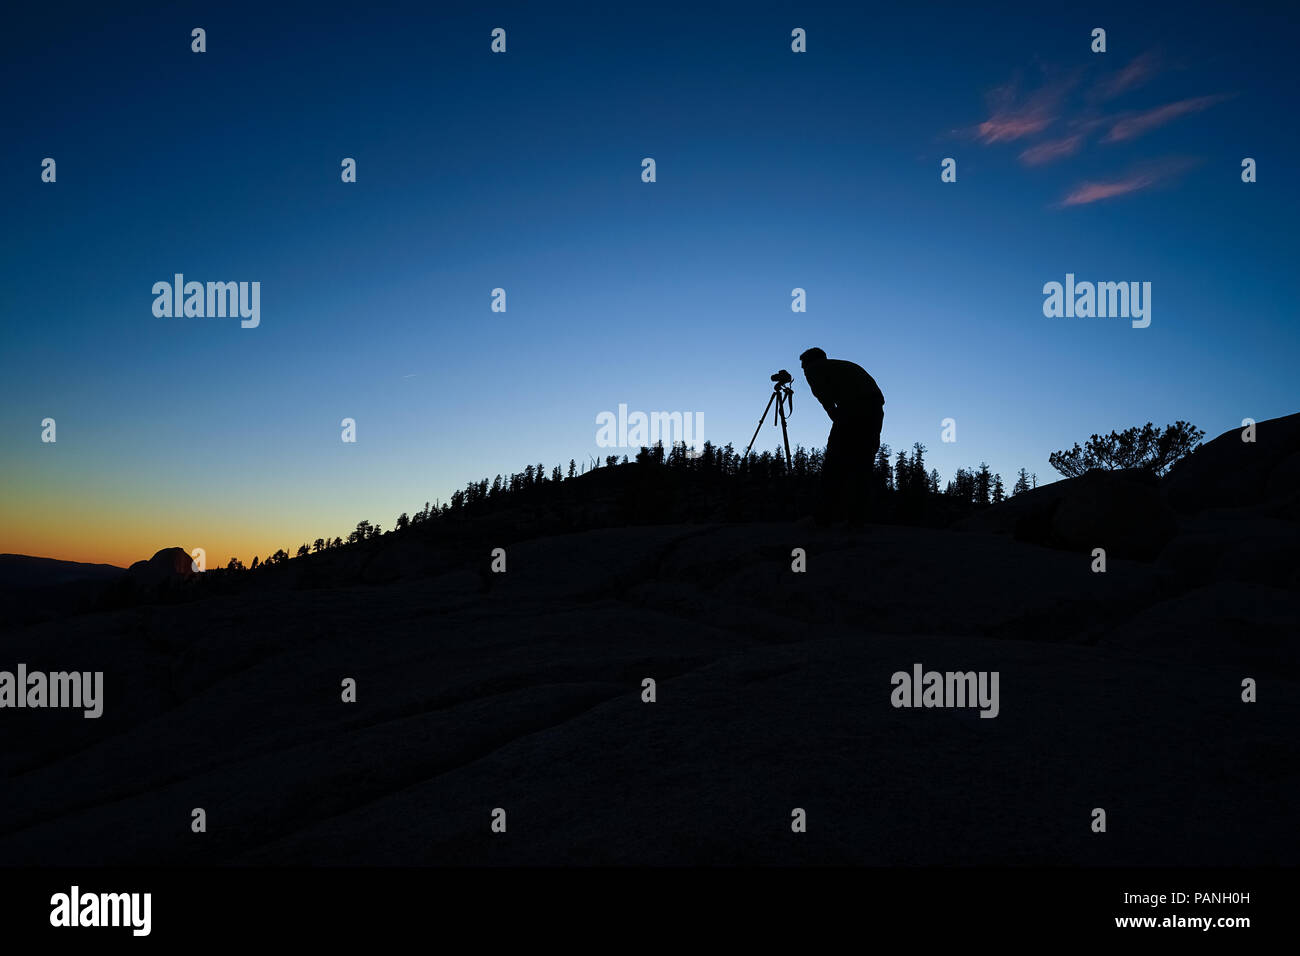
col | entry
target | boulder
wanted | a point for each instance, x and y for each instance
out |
(1121, 511)
(1228, 472)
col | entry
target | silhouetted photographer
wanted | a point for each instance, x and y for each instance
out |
(856, 407)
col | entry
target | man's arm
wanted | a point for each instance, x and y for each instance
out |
(824, 394)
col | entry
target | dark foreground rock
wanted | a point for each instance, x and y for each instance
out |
(523, 691)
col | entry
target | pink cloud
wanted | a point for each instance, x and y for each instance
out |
(1131, 127)
(1135, 74)
(1090, 192)
(1052, 150)
(1085, 193)
(1012, 117)
(999, 129)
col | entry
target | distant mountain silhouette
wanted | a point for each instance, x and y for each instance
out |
(37, 589)
(18, 571)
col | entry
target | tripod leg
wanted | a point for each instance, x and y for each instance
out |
(760, 426)
(789, 461)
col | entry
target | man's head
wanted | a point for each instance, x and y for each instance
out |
(812, 357)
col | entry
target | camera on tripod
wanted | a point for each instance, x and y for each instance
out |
(783, 396)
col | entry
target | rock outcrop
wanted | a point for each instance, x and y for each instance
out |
(166, 569)
(1123, 512)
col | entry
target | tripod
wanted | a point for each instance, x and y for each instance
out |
(781, 393)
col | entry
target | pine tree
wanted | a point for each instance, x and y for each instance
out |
(1022, 483)
(917, 479)
(884, 474)
(999, 492)
(983, 485)
(962, 486)
(800, 460)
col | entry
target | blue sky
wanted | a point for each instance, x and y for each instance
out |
(775, 170)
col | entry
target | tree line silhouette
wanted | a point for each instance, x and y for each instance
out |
(722, 483)
(675, 484)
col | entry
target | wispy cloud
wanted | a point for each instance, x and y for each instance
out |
(1140, 69)
(1014, 116)
(1010, 126)
(1137, 124)
(1052, 150)
(1085, 193)
(1064, 114)
(1139, 179)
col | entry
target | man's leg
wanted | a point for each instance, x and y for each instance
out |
(831, 491)
(871, 444)
(858, 481)
(868, 493)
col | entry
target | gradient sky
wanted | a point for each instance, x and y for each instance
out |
(522, 170)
